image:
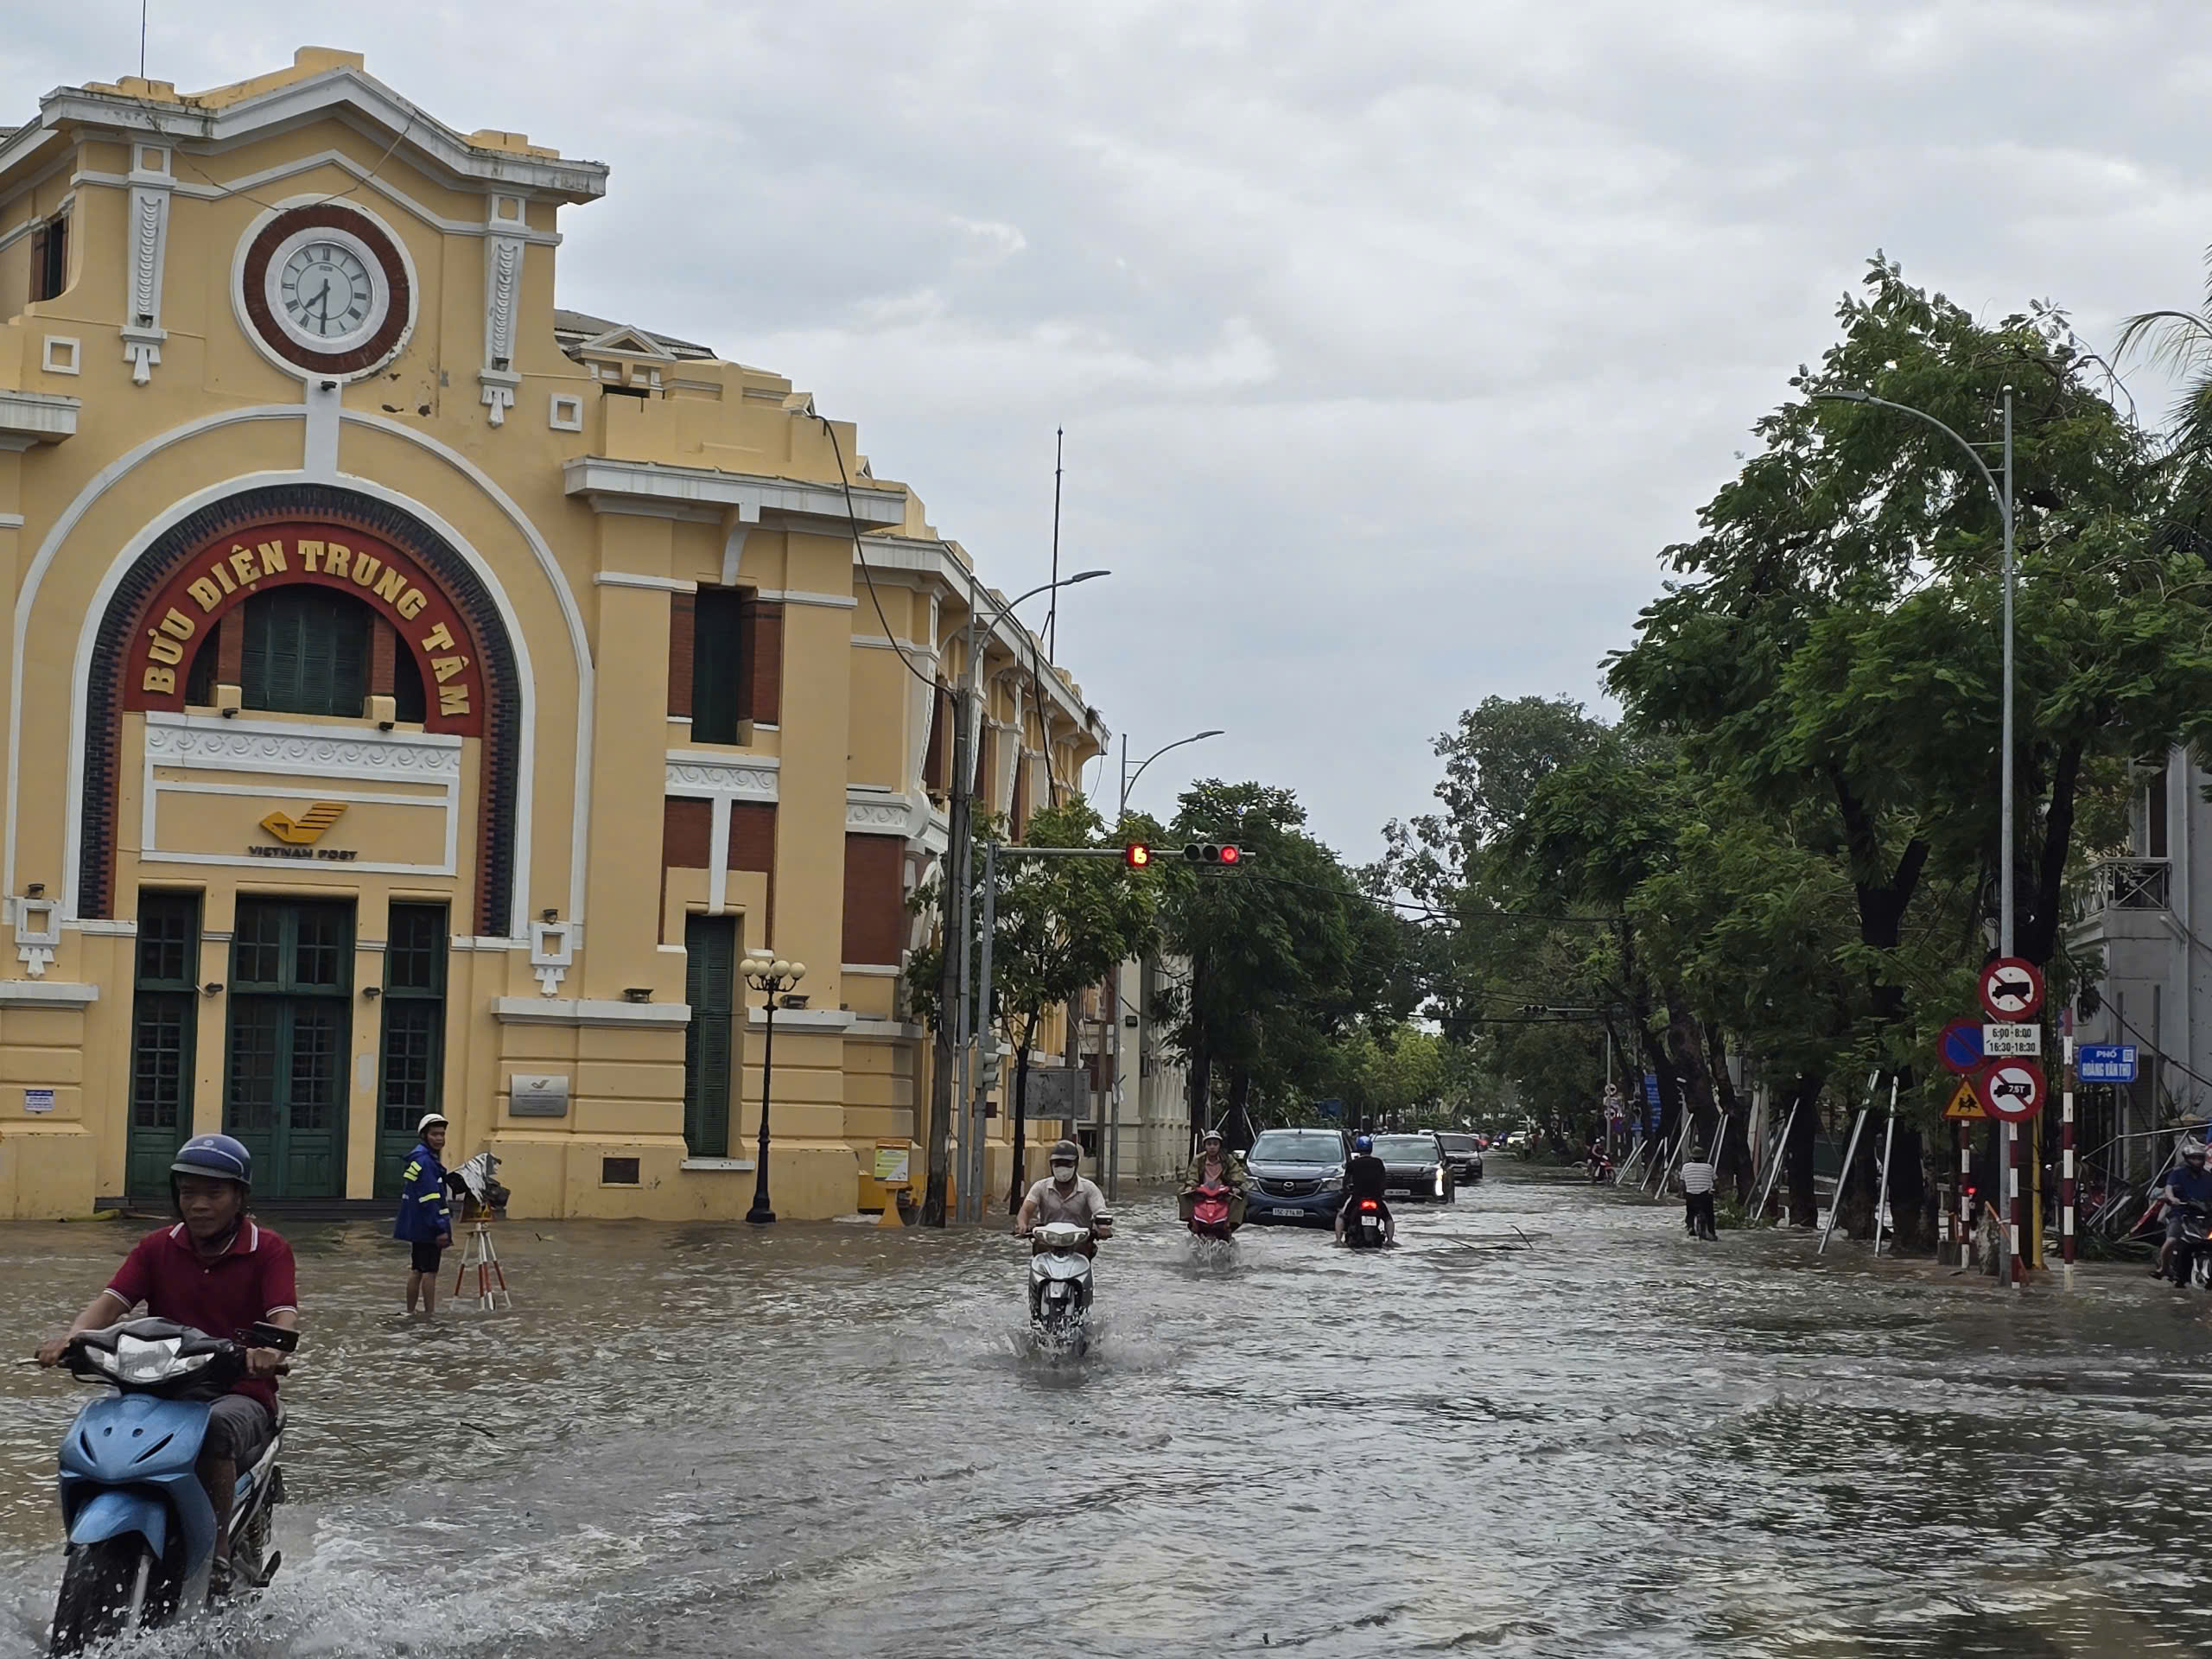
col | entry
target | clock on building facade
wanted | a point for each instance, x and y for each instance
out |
(326, 289)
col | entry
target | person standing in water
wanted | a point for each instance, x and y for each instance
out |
(425, 1220)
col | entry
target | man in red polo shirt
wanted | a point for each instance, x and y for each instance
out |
(219, 1271)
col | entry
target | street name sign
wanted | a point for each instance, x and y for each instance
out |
(2011, 989)
(1965, 1104)
(2012, 1042)
(2012, 1090)
(1960, 1047)
(2106, 1062)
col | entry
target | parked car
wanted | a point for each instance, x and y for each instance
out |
(1417, 1167)
(1298, 1177)
(1465, 1154)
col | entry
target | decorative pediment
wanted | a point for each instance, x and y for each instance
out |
(625, 357)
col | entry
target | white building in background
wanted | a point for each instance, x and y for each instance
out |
(1143, 1124)
(2150, 916)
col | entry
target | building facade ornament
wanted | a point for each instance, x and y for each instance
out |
(143, 334)
(503, 257)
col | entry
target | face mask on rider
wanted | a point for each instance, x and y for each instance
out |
(1063, 1173)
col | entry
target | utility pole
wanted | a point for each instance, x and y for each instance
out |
(951, 1087)
(2008, 1170)
(951, 1000)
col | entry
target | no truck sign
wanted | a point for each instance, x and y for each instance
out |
(2011, 989)
(2012, 1090)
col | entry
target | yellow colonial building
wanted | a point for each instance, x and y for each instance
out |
(415, 697)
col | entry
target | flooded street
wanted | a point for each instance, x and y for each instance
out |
(827, 1440)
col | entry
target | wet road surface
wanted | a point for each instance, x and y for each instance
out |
(1604, 1439)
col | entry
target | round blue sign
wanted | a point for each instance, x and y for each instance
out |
(1960, 1047)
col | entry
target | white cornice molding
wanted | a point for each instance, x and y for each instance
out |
(332, 91)
(313, 751)
(586, 1011)
(695, 775)
(262, 182)
(883, 813)
(46, 993)
(612, 486)
(29, 417)
(654, 584)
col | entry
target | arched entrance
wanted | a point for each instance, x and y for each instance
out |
(337, 626)
(178, 591)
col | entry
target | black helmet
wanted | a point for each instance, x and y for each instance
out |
(217, 1156)
(1066, 1152)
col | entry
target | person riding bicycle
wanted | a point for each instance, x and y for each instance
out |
(1215, 1166)
(1365, 1177)
(2187, 1185)
(221, 1272)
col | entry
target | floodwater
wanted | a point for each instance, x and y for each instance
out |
(1548, 1424)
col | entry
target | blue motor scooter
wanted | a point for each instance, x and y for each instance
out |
(142, 1532)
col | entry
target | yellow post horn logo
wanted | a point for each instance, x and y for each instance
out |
(305, 828)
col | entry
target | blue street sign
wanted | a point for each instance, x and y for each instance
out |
(1651, 1089)
(2106, 1062)
(1330, 1108)
(1960, 1047)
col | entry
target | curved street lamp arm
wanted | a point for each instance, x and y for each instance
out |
(2004, 503)
(1130, 782)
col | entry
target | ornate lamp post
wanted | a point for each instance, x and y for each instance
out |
(774, 978)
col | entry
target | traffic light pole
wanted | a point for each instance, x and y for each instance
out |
(972, 1176)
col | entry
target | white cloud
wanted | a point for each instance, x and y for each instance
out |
(1392, 341)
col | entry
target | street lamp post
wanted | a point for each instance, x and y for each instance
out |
(1129, 779)
(773, 978)
(2009, 1235)
(952, 981)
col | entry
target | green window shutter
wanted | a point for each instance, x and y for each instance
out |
(717, 664)
(307, 653)
(710, 986)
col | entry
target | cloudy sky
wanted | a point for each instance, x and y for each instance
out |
(1392, 341)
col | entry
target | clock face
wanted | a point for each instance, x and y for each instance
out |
(326, 290)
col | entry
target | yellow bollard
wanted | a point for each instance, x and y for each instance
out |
(891, 1215)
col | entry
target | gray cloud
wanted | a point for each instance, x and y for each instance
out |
(1393, 340)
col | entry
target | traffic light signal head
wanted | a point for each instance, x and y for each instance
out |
(1137, 855)
(1214, 854)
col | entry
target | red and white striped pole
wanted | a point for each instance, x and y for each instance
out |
(2012, 1206)
(2068, 1188)
(1966, 1195)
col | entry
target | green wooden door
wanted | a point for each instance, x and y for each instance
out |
(291, 984)
(710, 986)
(412, 1079)
(164, 1014)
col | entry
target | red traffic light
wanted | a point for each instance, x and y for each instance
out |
(1137, 855)
(1214, 853)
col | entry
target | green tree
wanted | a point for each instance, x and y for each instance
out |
(1831, 643)
(1286, 954)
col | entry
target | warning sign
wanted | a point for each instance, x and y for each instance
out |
(1965, 1104)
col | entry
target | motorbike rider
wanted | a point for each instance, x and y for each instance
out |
(1215, 1166)
(1365, 1177)
(1066, 1196)
(221, 1272)
(2188, 1184)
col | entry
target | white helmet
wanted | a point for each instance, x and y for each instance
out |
(430, 1121)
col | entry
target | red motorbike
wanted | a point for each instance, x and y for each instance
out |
(1210, 1211)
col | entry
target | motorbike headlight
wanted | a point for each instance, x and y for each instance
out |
(155, 1362)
